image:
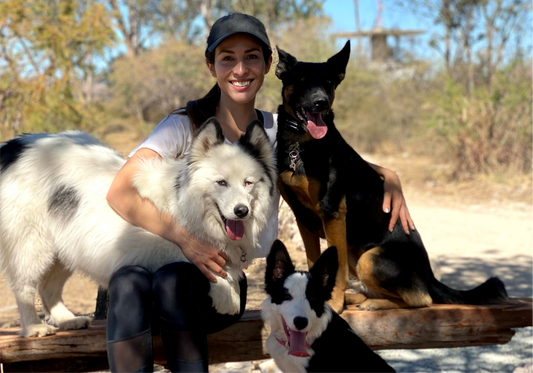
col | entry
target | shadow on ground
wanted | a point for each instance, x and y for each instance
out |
(500, 358)
(465, 273)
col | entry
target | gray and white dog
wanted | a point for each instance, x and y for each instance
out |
(54, 217)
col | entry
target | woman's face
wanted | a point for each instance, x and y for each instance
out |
(239, 67)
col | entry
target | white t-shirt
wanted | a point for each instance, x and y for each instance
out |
(172, 138)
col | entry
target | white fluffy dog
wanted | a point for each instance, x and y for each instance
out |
(54, 217)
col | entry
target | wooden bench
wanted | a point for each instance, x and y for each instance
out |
(438, 326)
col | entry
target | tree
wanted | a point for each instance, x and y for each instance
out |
(274, 13)
(133, 20)
(159, 81)
(175, 19)
(501, 18)
(473, 29)
(446, 13)
(45, 49)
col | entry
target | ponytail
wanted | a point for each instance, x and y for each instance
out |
(202, 109)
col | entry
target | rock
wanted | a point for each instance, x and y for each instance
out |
(528, 368)
(269, 366)
(237, 367)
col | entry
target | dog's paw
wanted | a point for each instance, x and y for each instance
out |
(226, 299)
(354, 298)
(79, 322)
(369, 305)
(38, 330)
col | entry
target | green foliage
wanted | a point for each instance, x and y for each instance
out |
(155, 83)
(43, 53)
(376, 108)
(275, 12)
(488, 130)
(476, 113)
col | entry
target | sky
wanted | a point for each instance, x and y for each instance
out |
(342, 13)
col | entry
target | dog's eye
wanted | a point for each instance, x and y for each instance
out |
(248, 183)
(328, 81)
(287, 296)
(222, 183)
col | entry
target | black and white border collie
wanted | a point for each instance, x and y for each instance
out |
(306, 334)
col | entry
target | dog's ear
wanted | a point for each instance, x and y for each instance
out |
(337, 64)
(286, 62)
(279, 264)
(209, 135)
(257, 138)
(325, 269)
(255, 142)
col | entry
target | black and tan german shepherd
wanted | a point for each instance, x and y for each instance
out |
(336, 195)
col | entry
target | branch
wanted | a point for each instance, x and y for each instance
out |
(118, 18)
(28, 52)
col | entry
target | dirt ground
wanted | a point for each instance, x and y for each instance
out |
(473, 230)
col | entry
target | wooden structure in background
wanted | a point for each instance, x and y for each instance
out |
(438, 326)
(380, 51)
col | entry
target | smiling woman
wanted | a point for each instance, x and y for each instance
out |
(238, 55)
(239, 68)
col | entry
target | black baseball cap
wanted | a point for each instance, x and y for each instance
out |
(236, 23)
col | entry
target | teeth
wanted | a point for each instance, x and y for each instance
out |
(241, 84)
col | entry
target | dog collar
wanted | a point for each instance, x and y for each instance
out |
(292, 124)
(294, 157)
(244, 261)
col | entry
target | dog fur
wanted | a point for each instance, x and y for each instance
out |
(299, 300)
(336, 195)
(54, 217)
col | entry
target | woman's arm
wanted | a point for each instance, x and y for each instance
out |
(393, 191)
(126, 201)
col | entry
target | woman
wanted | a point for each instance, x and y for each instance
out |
(175, 298)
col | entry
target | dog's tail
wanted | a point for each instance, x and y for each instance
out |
(491, 291)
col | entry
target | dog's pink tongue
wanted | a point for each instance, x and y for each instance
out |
(316, 126)
(235, 229)
(297, 344)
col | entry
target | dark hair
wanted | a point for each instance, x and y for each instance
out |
(202, 109)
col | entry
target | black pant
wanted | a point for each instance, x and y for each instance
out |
(175, 300)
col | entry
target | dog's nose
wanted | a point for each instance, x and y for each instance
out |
(321, 104)
(300, 322)
(241, 211)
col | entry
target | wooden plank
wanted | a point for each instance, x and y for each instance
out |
(66, 364)
(437, 326)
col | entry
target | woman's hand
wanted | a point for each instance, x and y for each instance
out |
(394, 194)
(206, 257)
